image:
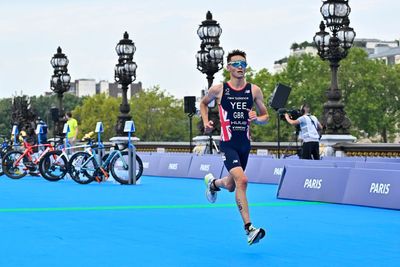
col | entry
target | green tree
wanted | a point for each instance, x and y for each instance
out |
(159, 116)
(94, 109)
(5, 116)
(371, 91)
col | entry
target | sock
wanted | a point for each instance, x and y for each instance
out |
(247, 226)
(214, 187)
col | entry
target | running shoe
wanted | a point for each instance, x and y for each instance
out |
(210, 193)
(254, 234)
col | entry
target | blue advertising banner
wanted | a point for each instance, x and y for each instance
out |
(150, 163)
(201, 165)
(269, 170)
(326, 184)
(378, 165)
(174, 165)
(375, 188)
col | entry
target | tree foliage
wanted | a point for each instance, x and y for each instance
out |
(97, 108)
(159, 116)
(370, 91)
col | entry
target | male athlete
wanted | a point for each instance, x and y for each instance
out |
(235, 101)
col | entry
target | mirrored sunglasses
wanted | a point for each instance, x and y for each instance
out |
(239, 63)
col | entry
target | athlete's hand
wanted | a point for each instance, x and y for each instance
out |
(252, 115)
(287, 116)
(208, 127)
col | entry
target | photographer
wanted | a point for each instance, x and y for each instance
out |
(309, 126)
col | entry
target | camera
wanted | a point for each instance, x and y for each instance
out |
(294, 114)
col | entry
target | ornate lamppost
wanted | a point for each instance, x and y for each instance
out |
(210, 59)
(334, 47)
(125, 74)
(60, 83)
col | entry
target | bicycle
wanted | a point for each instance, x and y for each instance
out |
(54, 165)
(84, 168)
(16, 164)
(4, 148)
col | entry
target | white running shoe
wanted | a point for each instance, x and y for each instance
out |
(210, 194)
(254, 235)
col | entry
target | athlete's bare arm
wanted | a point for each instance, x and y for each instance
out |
(261, 116)
(214, 93)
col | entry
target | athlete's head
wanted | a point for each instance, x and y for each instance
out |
(237, 63)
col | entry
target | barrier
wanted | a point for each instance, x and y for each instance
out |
(343, 158)
(150, 163)
(366, 187)
(171, 165)
(375, 188)
(378, 165)
(269, 170)
(375, 159)
(326, 184)
(201, 165)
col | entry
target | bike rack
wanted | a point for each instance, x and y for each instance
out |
(130, 128)
(99, 129)
(66, 131)
(39, 131)
(15, 133)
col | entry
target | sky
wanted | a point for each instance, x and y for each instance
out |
(164, 33)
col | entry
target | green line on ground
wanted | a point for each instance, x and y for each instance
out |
(139, 207)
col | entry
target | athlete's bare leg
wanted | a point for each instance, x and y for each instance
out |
(237, 180)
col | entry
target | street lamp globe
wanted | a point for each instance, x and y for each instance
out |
(334, 12)
(346, 35)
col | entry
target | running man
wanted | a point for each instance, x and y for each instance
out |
(235, 101)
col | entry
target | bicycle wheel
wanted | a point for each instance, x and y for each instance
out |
(119, 168)
(13, 169)
(1, 164)
(53, 167)
(82, 167)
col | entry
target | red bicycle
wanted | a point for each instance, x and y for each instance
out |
(17, 164)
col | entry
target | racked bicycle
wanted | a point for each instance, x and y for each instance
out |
(17, 164)
(54, 165)
(5, 147)
(84, 167)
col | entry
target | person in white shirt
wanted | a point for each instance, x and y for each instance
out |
(309, 126)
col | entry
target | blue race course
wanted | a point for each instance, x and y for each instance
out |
(168, 222)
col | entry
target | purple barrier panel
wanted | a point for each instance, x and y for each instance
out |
(201, 165)
(374, 159)
(150, 163)
(326, 184)
(304, 162)
(172, 165)
(264, 170)
(269, 170)
(224, 171)
(341, 163)
(374, 188)
(378, 165)
(343, 158)
(345, 163)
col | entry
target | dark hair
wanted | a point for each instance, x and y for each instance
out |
(304, 106)
(69, 114)
(235, 52)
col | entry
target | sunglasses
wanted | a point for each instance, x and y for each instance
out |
(237, 64)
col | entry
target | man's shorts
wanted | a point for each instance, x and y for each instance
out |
(235, 155)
